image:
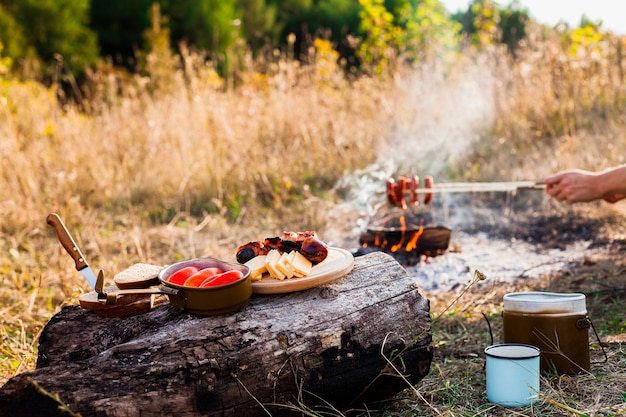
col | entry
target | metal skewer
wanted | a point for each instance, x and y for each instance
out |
(477, 187)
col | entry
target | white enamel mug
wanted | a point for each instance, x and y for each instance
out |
(512, 374)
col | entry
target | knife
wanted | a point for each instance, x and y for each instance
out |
(72, 248)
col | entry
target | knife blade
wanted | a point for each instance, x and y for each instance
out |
(71, 247)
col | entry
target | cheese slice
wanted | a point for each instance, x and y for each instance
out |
(272, 258)
(300, 265)
(284, 266)
(280, 265)
(257, 267)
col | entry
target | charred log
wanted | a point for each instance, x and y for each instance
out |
(325, 343)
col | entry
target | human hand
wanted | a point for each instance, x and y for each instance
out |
(574, 186)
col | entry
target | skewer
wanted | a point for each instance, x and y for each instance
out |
(475, 187)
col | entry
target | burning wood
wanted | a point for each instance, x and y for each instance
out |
(406, 237)
(406, 234)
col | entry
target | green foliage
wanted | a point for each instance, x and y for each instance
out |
(377, 33)
(11, 36)
(119, 25)
(5, 62)
(428, 29)
(487, 24)
(334, 20)
(377, 23)
(55, 29)
(413, 31)
(584, 41)
(210, 25)
(158, 61)
(259, 22)
(513, 21)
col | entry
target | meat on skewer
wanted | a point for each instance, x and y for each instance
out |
(428, 183)
(414, 183)
(400, 189)
(391, 192)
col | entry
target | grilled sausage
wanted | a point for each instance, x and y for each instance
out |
(400, 189)
(414, 182)
(314, 250)
(391, 192)
(428, 183)
(308, 245)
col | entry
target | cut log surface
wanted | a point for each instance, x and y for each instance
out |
(322, 343)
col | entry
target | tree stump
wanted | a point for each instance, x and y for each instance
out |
(319, 347)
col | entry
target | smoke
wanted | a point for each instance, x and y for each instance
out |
(441, 114)
(438, 114)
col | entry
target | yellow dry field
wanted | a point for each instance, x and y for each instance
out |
(179, 165)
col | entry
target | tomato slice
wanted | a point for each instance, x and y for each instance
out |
(179, 277)
(196, 279)
(221, 279)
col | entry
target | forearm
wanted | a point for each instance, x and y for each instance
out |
(611, 181)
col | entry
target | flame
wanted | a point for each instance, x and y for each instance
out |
(408, 245)
(412, 245)
(398, 246)
(405, 236)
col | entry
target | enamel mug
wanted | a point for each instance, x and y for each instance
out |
(512, 374)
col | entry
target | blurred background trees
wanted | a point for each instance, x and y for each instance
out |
(73, 35)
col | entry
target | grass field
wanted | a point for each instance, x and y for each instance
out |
(175, 165)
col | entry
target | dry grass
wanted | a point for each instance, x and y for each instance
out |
(456, 383)
(179, 166)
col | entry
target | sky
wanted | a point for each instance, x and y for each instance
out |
(611, 12)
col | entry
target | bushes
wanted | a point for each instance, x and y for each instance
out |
(51, 30)
(79, 32)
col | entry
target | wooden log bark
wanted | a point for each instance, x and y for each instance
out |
(323, 343)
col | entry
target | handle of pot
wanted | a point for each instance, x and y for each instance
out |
(176, 296)
(585, 324)
(150, 290)
(111, 297)
(170, 291)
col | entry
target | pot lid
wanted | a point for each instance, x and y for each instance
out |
(545, 302)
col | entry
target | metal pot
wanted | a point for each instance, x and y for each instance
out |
(207, 301)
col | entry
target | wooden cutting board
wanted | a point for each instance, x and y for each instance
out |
(137, 276)
(338, 263)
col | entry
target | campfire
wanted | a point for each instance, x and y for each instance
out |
(406, 232)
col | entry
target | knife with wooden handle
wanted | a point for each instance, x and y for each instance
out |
(71, 247)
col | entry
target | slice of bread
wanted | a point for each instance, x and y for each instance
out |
(138, 276)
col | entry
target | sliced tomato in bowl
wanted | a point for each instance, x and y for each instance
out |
(222, 279)
(196, 279)
(179, 277)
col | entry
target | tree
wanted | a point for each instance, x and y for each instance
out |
(210, 25)
(412, 30)
(120, 25)
(56, 29)
(12, 37)
(486, 23)
(513, 21)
